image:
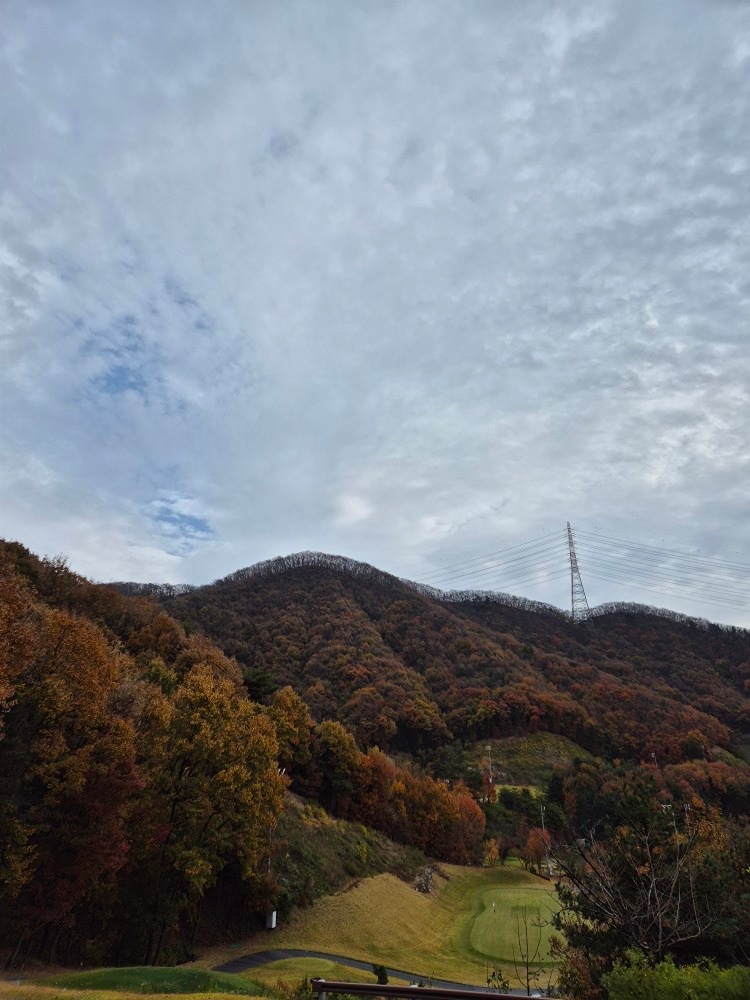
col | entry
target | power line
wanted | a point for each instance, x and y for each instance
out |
(670, 593)
(631, 574)
(533, 580)
(632, 565)
(668, 564)
(666, 574)
(656, 548)
(543, 550)
(696, 591)
(660, 567)
(491, 555)
(505, 570)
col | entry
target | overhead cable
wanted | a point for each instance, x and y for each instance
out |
(656, 548)
(542, 551)
(669, 592)
(514, 549)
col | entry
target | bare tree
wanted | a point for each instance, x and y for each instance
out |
(642, 889)
(526, 963)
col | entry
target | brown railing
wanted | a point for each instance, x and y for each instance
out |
(323, 986)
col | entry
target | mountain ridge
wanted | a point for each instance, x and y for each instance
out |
(408, 670)
(305, 558)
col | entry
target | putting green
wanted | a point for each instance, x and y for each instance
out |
(513, 920)
(450, 933)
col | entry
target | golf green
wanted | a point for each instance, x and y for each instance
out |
(513, 920)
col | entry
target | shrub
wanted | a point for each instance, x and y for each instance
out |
(704, 981)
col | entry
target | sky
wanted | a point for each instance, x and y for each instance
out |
(411, 281)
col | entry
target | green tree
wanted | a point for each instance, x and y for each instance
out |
(293, 724)
(335, 759)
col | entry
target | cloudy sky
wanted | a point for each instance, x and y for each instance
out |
(413, 281)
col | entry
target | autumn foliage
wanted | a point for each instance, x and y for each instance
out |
(135, 770)
(408, 670)
(148, 735)
(137, 773)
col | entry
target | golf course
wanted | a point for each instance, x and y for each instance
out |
(452, 933)
(474, 919)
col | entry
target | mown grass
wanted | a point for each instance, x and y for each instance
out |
(500, 933)
(484, 937)
(147, 979)
(12, 990)
(293, 970)
(529, 760)
(450, 933)
(138, 982)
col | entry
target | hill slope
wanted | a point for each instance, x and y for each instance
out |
(407, 668)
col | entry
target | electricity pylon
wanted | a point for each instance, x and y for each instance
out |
(579, 605)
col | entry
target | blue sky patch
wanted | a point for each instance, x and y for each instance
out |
(121, 378)
(184, 530)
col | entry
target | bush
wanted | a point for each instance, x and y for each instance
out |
(382, 974)
(666, 981)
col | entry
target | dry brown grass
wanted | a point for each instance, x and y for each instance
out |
(383, 919)
(379, 919)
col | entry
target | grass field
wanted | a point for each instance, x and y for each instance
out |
(148, 980)
(495, 931)
(451, 933)
(292, 970)
(533, 790)
(126, 984)
(528, 760)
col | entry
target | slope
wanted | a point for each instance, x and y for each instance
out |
(409, 669)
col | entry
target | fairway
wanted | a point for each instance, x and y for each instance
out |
(450, 933)
(134, 984)
(292, 970)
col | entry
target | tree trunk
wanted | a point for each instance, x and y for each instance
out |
(149, 939)
(53, 946)
(14, 954)
(159, 942)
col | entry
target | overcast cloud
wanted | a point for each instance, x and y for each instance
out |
(406, 281)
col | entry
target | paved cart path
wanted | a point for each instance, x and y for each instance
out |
(251, 961)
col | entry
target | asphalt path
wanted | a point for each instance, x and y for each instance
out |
(251, 961)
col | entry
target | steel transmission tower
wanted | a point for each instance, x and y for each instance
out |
(579, 605)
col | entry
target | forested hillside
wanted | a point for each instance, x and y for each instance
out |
(141, 785)
(407, 669)
(134, 771)
(647, 820)
(146, 749)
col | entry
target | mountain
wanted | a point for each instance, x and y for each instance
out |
(140, 782)
(412, 669)
(142, 786)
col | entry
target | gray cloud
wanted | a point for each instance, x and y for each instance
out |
(408, 281)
